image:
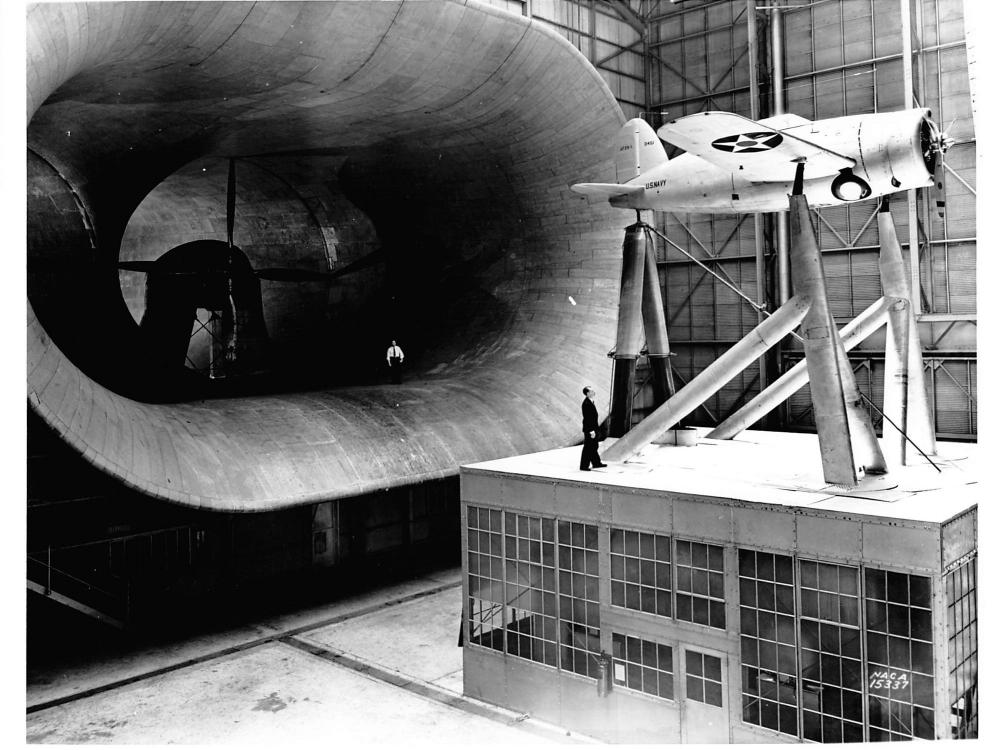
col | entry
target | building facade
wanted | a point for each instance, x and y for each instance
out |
(644, 614)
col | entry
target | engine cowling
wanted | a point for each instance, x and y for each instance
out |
(895, 150)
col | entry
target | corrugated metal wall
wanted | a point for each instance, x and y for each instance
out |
(602, 35)
(841, 57)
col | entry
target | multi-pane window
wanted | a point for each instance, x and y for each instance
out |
(900, 655)
(830, 652)
(703, 677)
(531, 587)
(806, 654)
(579, 598)
(486, 600)
(700, 595)
(643, 665)
(640, 571)
(767, 641)
(963, 651)
(641, 577)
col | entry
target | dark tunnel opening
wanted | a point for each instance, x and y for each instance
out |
(447, 231)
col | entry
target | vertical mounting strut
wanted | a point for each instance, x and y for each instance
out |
(640, 310)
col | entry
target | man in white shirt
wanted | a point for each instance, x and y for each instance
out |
(394, 357)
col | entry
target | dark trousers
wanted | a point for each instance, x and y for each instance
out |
(589, 456)
(396, 369)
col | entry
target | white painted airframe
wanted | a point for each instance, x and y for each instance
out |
(733, 164)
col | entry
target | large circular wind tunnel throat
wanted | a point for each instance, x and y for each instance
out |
(286, 290)
(275, 200)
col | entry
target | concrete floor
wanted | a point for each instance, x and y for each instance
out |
(382, 666)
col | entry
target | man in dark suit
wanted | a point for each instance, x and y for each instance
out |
(589, 457)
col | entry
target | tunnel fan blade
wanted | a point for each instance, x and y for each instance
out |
(142, 266)
(290, 274)
(365, 261)
(230, 202)
(269, 274)
(155, 267)
(295, 274)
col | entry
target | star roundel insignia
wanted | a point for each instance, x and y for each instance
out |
(748, 143)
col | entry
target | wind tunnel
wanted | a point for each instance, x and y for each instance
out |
(428, 144)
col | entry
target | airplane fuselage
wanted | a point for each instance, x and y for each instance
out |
(888, 149)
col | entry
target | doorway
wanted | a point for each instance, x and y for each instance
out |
(705, 709)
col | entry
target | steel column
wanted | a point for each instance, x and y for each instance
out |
(906, 26)
(778, 108)
(760, 266)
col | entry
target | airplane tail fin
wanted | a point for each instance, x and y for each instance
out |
(637, 150)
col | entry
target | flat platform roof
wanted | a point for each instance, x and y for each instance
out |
(776, 468)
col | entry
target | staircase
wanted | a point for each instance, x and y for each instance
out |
(108, 604)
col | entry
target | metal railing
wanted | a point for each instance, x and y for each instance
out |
(96, 600)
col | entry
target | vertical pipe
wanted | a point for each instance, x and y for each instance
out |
(778, 108)
(906, 28)
(647, 82)
(592, 23)
(629, 338)
(753, 54)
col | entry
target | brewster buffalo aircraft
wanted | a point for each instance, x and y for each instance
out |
(736, 165)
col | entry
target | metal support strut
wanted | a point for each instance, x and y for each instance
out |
(848, 446)
(640, 310)
(847, 443)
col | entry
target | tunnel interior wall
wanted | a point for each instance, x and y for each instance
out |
(458, 147)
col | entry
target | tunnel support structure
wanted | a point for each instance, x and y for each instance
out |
(907, 422)
(848, 446)
(847, 441)
(654, 323)
(640, 311)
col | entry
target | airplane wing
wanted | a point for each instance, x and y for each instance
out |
(758, 152)
(604, 189)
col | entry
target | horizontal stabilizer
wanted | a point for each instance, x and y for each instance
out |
(604, 189)
(759, 152)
